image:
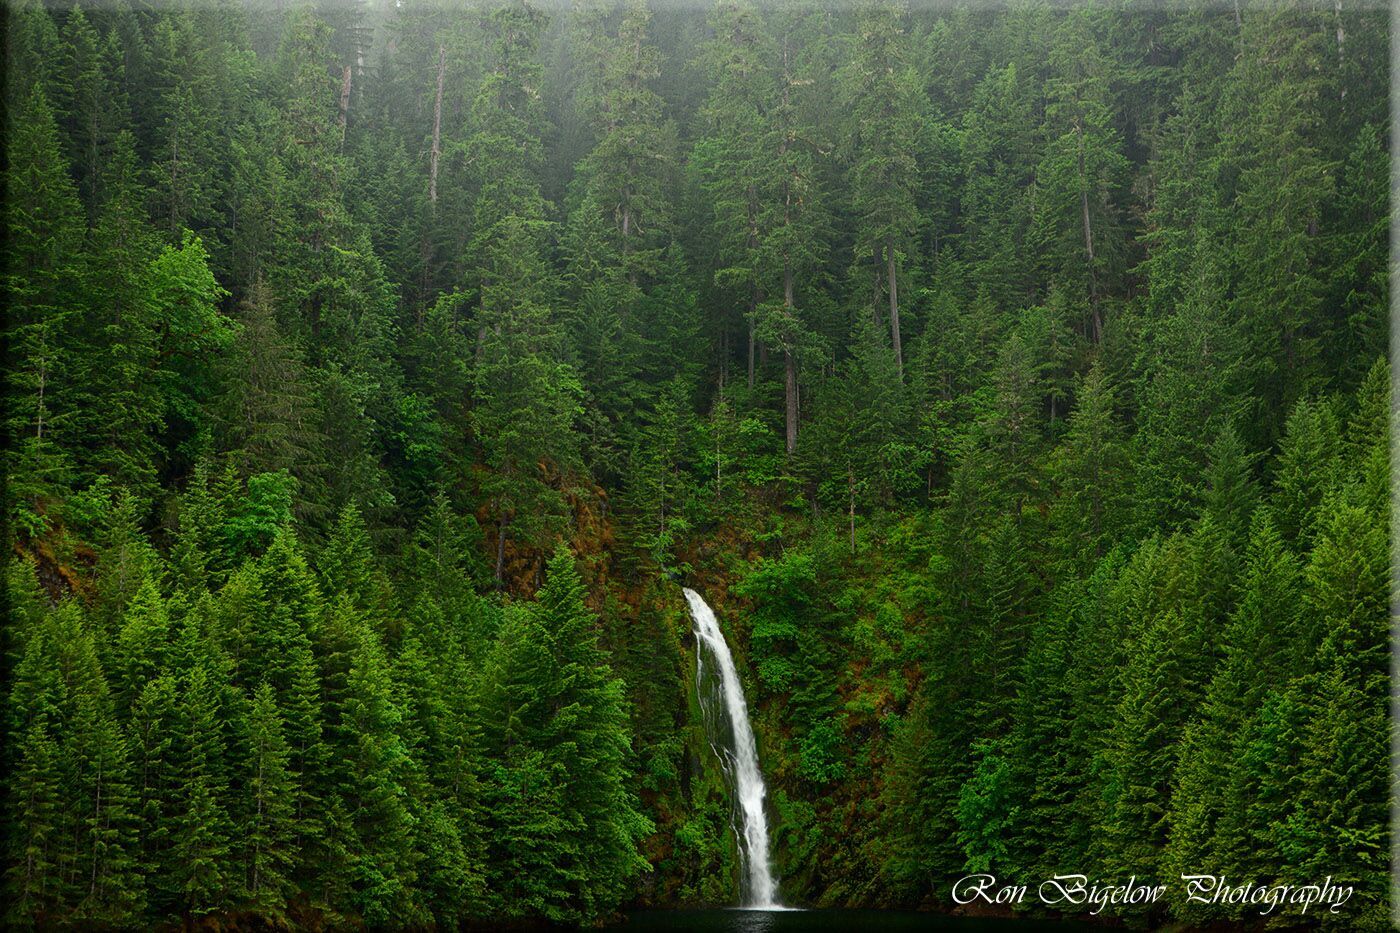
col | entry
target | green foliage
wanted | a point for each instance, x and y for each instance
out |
(1011, 380)
(265, 838)
(985, 810)
(563, 826)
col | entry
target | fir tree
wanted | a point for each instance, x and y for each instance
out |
(266, 836)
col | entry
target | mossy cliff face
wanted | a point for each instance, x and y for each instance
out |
(693, 853)
(823, 675)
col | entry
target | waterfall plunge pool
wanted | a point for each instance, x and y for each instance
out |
(752, 920)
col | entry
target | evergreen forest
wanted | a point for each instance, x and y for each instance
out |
(1010, 377)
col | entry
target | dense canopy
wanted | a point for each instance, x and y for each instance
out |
(1010, 379)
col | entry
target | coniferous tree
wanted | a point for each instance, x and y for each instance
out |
(265, 836)
(998, 160)
(886, 107)
(624, 177)
(556, 715)
(265, 417)
(199, 829)
(43, 221)
(1195, 381)
(1081, 170)
(1091, 470)
(524, 393)
(1282, 182)
(365, 738)
(1211, 781)
(730, 159)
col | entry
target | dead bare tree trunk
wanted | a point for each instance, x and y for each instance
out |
(1088, 236)
(436, 152)
(894, 311)
(344, 101)
(1341, 43)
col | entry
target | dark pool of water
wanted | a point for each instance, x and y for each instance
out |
(822, 921)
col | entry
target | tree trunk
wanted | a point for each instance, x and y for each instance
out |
(718, 476)
(425, 259)
(753, 304)
(97, 811)
(1341, 41)
(723, 358)
(1088, 236)
(790, 391)
(501, 551)
(789, 369)
(344, 101)
(436, 152)
(627, 236)
(875, 305)
(851, 490)
(894, 311)
(256, 860)
(43, 380)
(175, 182)
(752, 244)
(94, 166)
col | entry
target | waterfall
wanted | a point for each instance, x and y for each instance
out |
(731, 736)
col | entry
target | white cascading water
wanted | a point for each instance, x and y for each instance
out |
(740, 762)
